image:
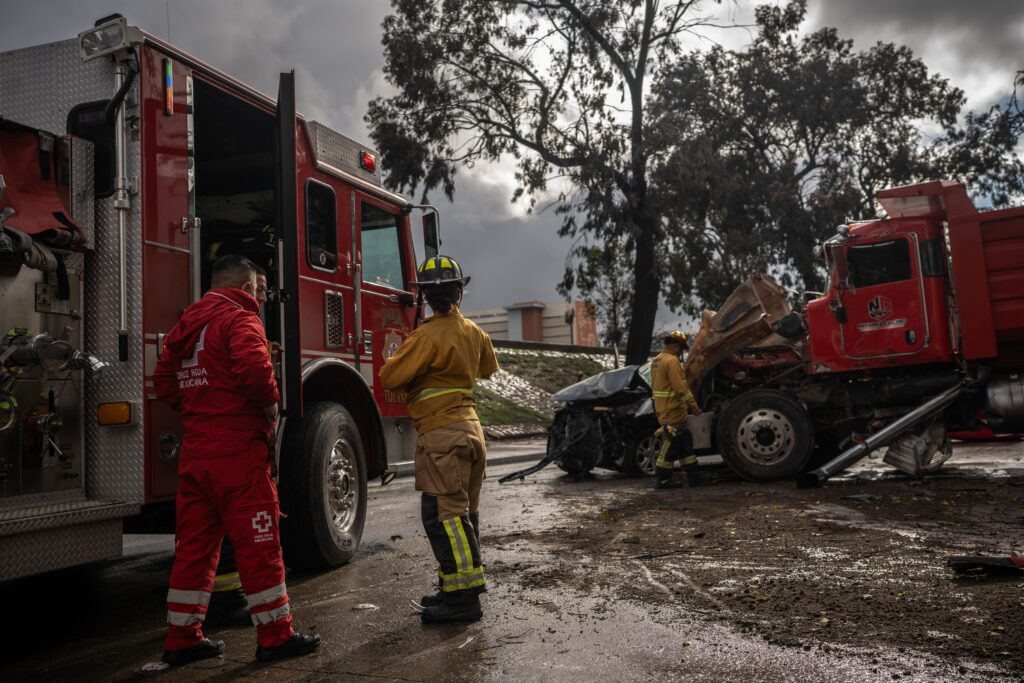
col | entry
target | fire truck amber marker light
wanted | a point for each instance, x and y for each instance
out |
(116, 414)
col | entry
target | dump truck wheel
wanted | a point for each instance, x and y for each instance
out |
(640, 455)
(323, 488)
(766, 435)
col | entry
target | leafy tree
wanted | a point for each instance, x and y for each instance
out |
(560, 85)
(765, 151)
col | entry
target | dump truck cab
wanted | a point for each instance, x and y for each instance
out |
(887, 299)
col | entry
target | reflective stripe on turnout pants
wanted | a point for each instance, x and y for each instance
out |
(450, 465)
(231, 495)
(677, 449)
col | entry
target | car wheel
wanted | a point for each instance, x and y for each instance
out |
(641, 455)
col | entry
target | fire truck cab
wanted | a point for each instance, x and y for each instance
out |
(131, 166)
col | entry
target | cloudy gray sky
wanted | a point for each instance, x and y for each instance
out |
(334, 46)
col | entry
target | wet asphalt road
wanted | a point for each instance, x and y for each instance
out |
(106, 623)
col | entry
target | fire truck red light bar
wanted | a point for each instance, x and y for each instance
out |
(168, 88)
(368, 162)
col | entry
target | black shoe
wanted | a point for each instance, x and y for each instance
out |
(432, 600)
(204, 650)
(663, 479)
(454, 610)
(696, 478)
(298, 644)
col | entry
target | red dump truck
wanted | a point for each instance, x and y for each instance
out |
(920, 332)
(126, 167)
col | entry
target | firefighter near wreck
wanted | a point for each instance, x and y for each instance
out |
(216, 372)
(435, 368)
(674, 402)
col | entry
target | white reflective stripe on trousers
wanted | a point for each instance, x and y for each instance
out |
(184, 597)
(269, 595)
(183, 619)
(271, 615)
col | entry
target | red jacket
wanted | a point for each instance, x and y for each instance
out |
(216, 372)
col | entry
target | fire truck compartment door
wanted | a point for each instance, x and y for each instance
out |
(885, 313)
(36, 185)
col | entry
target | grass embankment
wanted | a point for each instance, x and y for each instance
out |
(495, 410)
(548, 371)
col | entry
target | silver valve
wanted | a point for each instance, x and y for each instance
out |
(49, 353)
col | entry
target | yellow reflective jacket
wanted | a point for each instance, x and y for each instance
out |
(436, 367)
(672, 396)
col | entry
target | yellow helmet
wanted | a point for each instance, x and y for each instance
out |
(675, 337)
(440, 270)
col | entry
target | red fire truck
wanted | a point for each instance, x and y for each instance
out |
(126, 167)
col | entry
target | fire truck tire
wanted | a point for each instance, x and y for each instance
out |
(323, 488)
(766, 435)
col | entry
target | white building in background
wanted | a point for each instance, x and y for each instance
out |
(558, 322)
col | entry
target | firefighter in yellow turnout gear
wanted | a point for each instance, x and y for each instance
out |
(436, 367)
(673, 402)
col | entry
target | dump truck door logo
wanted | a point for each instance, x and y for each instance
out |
(880, 307)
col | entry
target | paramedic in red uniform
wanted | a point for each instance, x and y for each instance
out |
(216, 372)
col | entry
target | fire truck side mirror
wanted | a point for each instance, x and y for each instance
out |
(842, 268)
(431, 235)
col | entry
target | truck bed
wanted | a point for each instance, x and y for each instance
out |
(987, 251)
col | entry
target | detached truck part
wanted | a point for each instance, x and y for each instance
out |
(920, 332)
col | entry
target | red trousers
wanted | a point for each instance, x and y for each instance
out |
(233, 495)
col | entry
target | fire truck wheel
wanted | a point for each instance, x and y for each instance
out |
(766, 435)
(323, 488)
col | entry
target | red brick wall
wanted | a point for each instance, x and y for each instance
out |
(585, 333)
(533, 324)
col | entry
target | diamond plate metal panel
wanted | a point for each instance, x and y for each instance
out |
(341, 151)
(49, 549)
(83, 208)
(53, 515)
(38, 87)
(116, 466)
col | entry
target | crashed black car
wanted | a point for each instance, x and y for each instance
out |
(608, 421)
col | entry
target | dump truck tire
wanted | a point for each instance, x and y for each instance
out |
(766, 435)
(323, 488)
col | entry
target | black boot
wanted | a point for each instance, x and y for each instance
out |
(204, 650)
(696, 477)
(298, 644)
(663, 478)
(432, 600)
(456, 609)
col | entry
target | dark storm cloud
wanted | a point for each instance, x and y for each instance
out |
(977, 45)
